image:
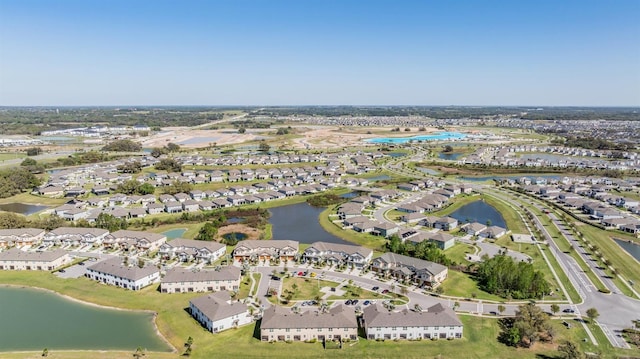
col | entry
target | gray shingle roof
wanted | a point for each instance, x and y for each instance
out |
(114, 267)
(15, 254)
(175, 275)
(437, 315)
(215, 306)
(337, 317)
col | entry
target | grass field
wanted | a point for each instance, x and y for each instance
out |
(176, 325)
(459, 284)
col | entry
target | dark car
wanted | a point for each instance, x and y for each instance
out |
(354, 302)
(61, 271)
(568, 310)
(375, 288)
(366, 302)
(81, 263)
(385, 291)
(348, 302)
(275, 278)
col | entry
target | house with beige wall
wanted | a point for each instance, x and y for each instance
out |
(217, 312)
(282, 324)
(180, 280)
(16, 259)
(20, 237)
(436, 322)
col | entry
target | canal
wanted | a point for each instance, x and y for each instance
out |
(33, 319)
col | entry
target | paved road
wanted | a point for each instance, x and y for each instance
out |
(616, 310)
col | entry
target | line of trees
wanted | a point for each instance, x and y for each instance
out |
(16, 180)
(122, 146)
(503, 276)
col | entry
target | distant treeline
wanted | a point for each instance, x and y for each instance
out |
(448, 112)
(33, 120)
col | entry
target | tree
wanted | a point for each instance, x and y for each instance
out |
(439, 290)
(34, 151)
(242, 130)
(45, 352)
(28, 162)
(555, 308)
(570, 350)
(529, 325)
(172, 147)
(207, 232)
(189, 342)
(130, 167)
(447, 149)
(128, 187)
(169, 164)
(110, 223)
(264, 147)
(139, 353)
(282, 131)
(140, 263)
(10, 220)
(158, 151)
(122, 146)
(146, 188)
(178, 187)
(593, 314)
(501, 309)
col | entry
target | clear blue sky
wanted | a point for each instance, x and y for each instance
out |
(329, 52)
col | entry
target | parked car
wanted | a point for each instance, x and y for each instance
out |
(348, 302)
(568, 310)
(375, 289)
(385, 291)
(366, 302)
(275, 277)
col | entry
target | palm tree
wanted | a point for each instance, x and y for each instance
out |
(45, 352)
(139, 353)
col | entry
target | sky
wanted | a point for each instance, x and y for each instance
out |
(311, 52)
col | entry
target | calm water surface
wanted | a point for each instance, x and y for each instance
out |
(481, 212)
(299, 222)
(22, 208)
(33, 319)
(174, 233)
(631, 248)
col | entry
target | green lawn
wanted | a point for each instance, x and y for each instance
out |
(365, 240)
(461, 285)
(31, 199)
(308, 288)
(458, 252)
(191, 229)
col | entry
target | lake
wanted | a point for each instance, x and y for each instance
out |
(174, 233)
(299, 222)
(631, 248)
(34, 319)
(481, 212)
(439, 136)
(449, 156)
(22, 208)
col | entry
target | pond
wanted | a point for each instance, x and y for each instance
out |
(378, 178)
(481, 212)
(350, 195)
(235, 236)
(428, 171)
(22, 208)
(174, 233)
(631, 248)
(34, 319)
(299, 222)
(440, 136)
(449, 156)
(396, 154)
